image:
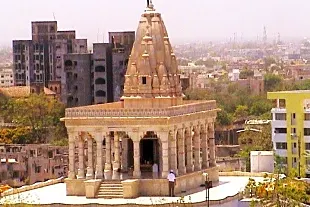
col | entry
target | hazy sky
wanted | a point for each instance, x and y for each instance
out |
(186, 20)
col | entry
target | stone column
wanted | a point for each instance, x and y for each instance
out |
(90, 167)
(189, 150)
(107, 166)
(165, 154)
(124, 164)
(197, 164)
(204, 146)
(81, 170)
(136, 156)
(116, 163)
(72, 137)
(173, 151)
(135, 137)
(99, 164)
(211, 144)
(181, 152)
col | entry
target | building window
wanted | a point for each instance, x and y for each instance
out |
(100, 81)
(280, 130)
(307, 117)
(280, 116)
(101, 93)
(307, 146)
(281, 145)
(143, 80)
(307, 131)
(100, 69)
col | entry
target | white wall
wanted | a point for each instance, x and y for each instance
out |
(262, 161)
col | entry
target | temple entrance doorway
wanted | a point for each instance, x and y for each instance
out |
(149, 152)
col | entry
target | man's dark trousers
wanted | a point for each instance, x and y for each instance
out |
(171, 188)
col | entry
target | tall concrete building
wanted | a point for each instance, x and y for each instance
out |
(57, 60)
(39, 61)
(291, 129)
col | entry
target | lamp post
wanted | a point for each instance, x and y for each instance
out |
(207, 186)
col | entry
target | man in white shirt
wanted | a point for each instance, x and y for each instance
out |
(172, 182)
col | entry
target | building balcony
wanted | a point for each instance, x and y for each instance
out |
(278, 110)
(307, 124)
(278, 124)
(279, 137)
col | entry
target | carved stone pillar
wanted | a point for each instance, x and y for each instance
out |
(181, 152)
(81, 170)
(165, 154)
(136, 148)
(173, 152)
(72, 137)
(204, 146)
(116, 163)
(124, 155)
(135, 137)
(99, 164)
(197, 163)
(90, 165)
(107, 166)
(211, 144)
(189, 150)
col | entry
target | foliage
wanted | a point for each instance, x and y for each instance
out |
(244, 74)
(37, 118)
(272, 82)
(241, 112)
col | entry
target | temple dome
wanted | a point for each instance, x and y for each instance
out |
(152, 61)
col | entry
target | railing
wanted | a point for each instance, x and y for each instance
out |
(148, 112)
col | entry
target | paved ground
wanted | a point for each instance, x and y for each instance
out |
(228, 186)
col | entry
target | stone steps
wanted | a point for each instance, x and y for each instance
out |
(110, 189)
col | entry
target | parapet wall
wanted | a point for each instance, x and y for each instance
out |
(32, 187)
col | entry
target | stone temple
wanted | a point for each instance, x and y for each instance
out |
(113, 146)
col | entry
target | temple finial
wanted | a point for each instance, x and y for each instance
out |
(147, 3)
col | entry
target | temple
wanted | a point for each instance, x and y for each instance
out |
(116, 144)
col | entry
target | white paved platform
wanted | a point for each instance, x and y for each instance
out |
(229, 186)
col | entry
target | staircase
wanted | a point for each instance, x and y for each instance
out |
(110, 189)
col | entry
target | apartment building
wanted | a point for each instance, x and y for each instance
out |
(291, 129)
(6, 77)
(28, 164)
(57, 60)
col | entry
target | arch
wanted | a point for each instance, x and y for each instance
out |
(100, 93)
(56, 89)
(100, 68)
(68, 63)
(100, 81)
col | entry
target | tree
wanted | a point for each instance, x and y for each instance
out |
(40, 114)
(241, 112)
(272, 82)
(244, 74)
(223, 118)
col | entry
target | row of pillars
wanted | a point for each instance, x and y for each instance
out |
(183, 150)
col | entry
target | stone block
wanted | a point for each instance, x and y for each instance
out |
(130, 188)
(75, 187)
(91, 188)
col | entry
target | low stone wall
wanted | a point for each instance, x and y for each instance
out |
(32, 187)
(246, 174)
(229, 164)
(91, 188)
(159, 187)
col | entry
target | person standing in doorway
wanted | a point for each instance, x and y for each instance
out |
(172, 182)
